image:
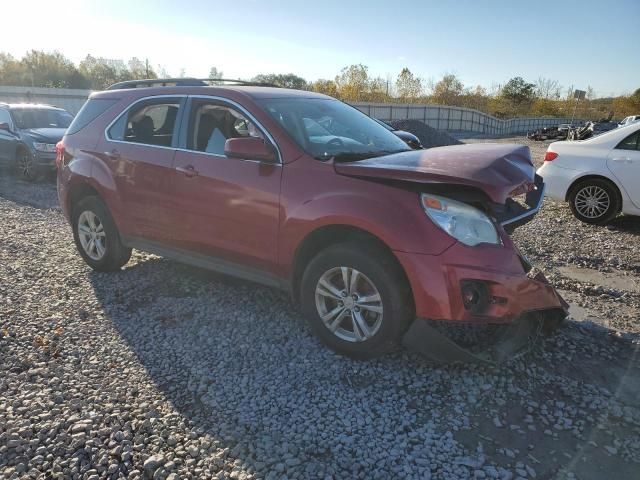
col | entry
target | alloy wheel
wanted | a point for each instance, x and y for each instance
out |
(25, 164)
(592, 201)
(349, 304)
(92, 235)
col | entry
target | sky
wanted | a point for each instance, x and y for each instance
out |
(484, 42)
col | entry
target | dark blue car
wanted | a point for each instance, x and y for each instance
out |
(28, 137)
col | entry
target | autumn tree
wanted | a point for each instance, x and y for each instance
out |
(41, 69)
(215, 73)
(103, 72)
(140, 70)
(447, 90)
(626, 105)
(353, 82)
(408, 86)
(327, 87)
(548, 89)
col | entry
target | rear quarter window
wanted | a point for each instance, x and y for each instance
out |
(92, 109)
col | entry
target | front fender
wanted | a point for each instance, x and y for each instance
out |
(391, 214)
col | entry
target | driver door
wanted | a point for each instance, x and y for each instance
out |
(227, 208)
(8, 140)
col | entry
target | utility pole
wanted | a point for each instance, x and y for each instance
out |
(146, 66)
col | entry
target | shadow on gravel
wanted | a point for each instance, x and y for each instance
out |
(41, 194)
(239, 365)
(625, 223)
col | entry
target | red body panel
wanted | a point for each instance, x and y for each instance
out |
(257, 214)
(230, 209)
(435, 282)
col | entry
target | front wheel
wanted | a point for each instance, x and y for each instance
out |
(96, 236)
(356, 299)
(25, 166)
(594, 201)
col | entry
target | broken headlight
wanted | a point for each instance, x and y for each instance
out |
(463, 222)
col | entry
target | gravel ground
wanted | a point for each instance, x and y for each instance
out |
(166, 371)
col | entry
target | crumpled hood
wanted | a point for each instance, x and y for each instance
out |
(45, 135)
(495, 168)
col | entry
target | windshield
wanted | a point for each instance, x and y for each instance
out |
(41, 118)
(327, 128)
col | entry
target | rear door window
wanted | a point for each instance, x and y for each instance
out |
(150, 123)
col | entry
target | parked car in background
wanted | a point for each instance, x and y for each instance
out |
(300, 191)
(407, 137)
(563, 129)
(599, 177)
(605, 126)
(28, 137)
(629, 120)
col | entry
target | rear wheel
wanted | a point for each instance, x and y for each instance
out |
(356, 299)
(96, 236)
(594, 201)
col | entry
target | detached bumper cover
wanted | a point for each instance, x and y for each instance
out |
(513, 287)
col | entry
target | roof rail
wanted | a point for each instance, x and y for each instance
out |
(184, 82)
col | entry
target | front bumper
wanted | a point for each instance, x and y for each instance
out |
(512, 288)
(45, 160)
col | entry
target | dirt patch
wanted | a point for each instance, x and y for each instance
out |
(616, 281)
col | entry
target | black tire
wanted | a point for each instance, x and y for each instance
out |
(376, 267)
(115, 255)
(24, 165)
(605, 191)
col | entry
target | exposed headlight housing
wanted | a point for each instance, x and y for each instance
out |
(463, 222)
(45, 147)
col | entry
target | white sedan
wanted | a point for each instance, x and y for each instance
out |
(599, 177)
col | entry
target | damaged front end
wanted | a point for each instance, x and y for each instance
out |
(480, 281)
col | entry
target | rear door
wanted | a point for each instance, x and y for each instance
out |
(226, 208)
(139, 146)
(624, 163)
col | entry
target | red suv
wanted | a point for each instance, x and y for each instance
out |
(300, 191)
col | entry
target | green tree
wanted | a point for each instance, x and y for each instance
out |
(518, 92)
(287, 80)
(408, 86)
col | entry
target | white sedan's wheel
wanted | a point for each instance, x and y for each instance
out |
(594, 201)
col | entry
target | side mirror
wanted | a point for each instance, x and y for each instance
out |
(249, 148)
(5, 126)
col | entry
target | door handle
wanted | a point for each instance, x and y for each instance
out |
(621, 159)
(189, 171)
(113, 154)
